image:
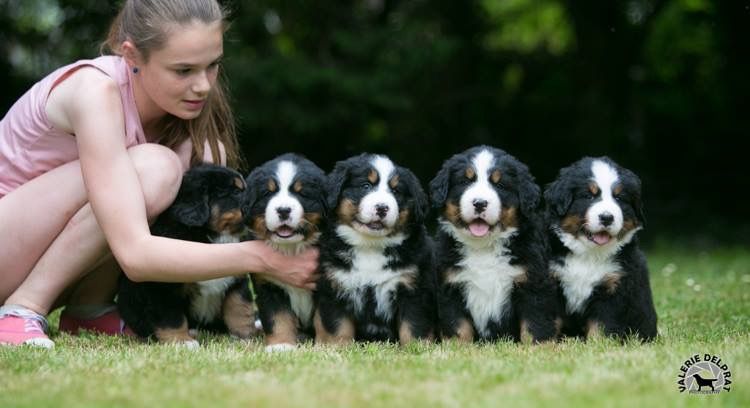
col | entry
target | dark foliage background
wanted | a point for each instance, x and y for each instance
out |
(658, 85)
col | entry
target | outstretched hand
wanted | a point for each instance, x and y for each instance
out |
(298, 270)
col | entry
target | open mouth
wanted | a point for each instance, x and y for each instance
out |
(285, 232)
(478, 228)
(599, 238)
(375, 227)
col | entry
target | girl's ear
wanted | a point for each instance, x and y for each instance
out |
(131, 54)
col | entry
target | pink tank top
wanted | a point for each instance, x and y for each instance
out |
(30, 146)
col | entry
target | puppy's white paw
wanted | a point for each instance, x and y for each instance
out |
(189, 344)
(193, 332)
(281, 347)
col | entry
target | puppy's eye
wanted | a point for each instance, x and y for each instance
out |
(366, 186)
(586, 195)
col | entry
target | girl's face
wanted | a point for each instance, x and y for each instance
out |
(178, 77)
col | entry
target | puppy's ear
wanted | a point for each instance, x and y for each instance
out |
(638, 206)
(421, 204)
(191, 205)
(335, 182)
(255, 181)
(322, 195)
(636, 201)
(439, 186)
(529, 194)
(317, 178)
(557, 197)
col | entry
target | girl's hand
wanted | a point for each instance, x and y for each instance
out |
(298, 270)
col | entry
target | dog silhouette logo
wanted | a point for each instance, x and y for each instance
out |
(704, 374)
(703, 381)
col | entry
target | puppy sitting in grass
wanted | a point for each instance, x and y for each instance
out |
(208, 208)
(594, 211)
(287, 210)
(491, 252)
(376, 256)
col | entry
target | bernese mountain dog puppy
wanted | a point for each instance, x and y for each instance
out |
(593, 211)
(209, 209)
(287, 210)
(377, 279)
(493, 278)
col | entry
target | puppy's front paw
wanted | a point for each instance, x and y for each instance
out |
(280, 347)
(188, 344)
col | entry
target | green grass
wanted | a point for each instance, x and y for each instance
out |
(702, 298)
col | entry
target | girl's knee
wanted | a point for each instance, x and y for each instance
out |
(160, 173)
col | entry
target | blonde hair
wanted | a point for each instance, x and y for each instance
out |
(145, 23)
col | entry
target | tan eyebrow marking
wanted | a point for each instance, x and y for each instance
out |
(297, 186)
(272, 185)
(618, 189)
(394, 181)
(240, 183)
(495, 177)
(373, 176)
(470, 173)
(593, 188)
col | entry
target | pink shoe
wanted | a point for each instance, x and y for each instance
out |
(108, 323)
(19, 326)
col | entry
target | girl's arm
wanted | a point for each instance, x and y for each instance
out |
(116, 198)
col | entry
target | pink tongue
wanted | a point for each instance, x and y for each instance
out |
(284, 232)
(479, 228)
(601, 238)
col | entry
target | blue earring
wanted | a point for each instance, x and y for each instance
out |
(135, 70)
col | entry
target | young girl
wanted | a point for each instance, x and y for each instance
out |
(92, 153)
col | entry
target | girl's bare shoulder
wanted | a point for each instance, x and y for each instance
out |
(84, 88)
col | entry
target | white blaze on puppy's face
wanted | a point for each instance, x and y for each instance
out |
(604, 218)
(284, 212)
(379, 205)
(480, 204)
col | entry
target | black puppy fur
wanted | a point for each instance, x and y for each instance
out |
(593, 212)
(287, 211)
(208, 208)
(376, 257)
(491, 251)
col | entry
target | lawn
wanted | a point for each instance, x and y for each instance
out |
(702, 298)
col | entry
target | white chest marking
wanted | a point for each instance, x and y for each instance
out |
(579, 275)
(206, 306)
(369, 270)
(300, 299)
(487, 279)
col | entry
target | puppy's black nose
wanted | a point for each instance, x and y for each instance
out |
(381, 210)
(284, 212)
(479, 205)
(606, 219)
